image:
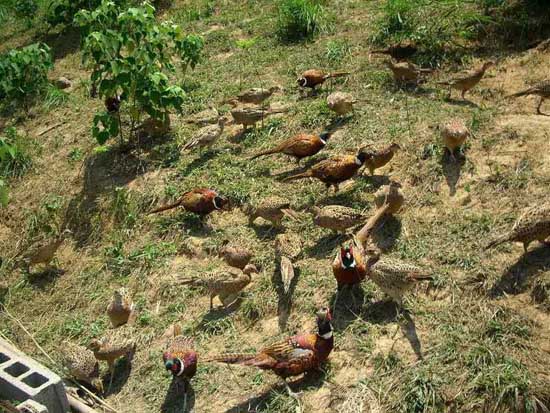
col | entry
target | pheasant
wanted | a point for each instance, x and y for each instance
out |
(334, 170)
(200, 201)
(313, 77)
(341, 102)
(180, 358)
(295, 355)
(43, 252)
(235, 256)
(111, 348)
(542, 89)
(399, 51)
(337, 217)
(406, 72)
(121, 308)
(454, 134)
(465, 83)
(288, 247)
(299, 146)
(112, 104)
(348, 269)
(272, 209)
(206, 136)
(393, 277)
(225, 284)
(532, 225)
(250, 115)
(257, 95)
(82, 364)
(205, 117)
(388, 200)
(377, 159)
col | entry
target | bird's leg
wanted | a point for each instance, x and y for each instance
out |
(463, 94)
(112, 373)
(539, 112)
(336, 188)
(292, 394)
(336, 300)
(211, 301)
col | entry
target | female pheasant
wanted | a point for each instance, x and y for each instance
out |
(293, 356)
(120, 308)
(532, 225)
(81, 364)
(112, 347)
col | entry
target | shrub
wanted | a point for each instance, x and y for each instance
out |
(26, 9)
(131, 55)
(63, 11)
(299, 19)
(14, 157)
(24, 74)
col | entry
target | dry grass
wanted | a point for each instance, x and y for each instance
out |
(484, 342)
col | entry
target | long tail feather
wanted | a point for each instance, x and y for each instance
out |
(165, 207)
(497, 241)
(191, 144)
(264, 153)
(521, 93)
(303, 175)
(337, 74)
(290, 213)
(230, 358)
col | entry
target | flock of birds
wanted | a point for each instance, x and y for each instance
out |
(352, 264)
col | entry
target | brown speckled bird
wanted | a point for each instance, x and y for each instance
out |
(81, 364)
(235, 256)
(293, 356)
(454, 134)
(257, 95)
(341, 102)
(313, 77)
(532, 225)
(407, 73)
(200, 201)
(206, 136)
(43, 252)
(272, 209)
(392, 276)
(299, 146)
(337, 217)
(465, 83)
(120, 308)
(541, 89)
(379, 158)
(112, 347)
(180, 358)
(250, 115)
(399, 51)
(334, 170)
(205, 117)
(226, 283)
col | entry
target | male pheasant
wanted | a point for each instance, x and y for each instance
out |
(200, 201)
(293, 356)
(300, 146)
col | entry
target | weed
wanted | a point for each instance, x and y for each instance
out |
(421, 392)
(299, 19)
(75, 155)
(54, 98)
(15, 157)
(337, 50)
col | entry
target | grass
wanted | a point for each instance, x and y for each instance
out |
(299, 19)
(479, 351)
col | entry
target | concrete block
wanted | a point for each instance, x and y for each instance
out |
(22, 378)
(30, 406)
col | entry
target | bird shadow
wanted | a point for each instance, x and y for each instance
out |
(284, 299)
(325, 245)
(337, 123)
(381, 312)
(61, 43)
(266, 231)
(175, 401)
(386, 234)
(200, 161)
(310, 381)
(41, 279)
(515, 278)
(376, 181)
(121, 374)
(349, 304)
(452, 169)
(460, 102)
(408, 328)
(304, 166)
(217, 314)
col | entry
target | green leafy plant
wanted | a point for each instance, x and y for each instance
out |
(24, 74)
(63, 11)
(299, 19)
(4, 194)
(14, 157)
(131, 56)
(26, 9)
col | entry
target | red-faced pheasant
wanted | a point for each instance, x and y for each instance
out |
(180, 357)
(532, 225)
(293, 356)
(348, 269)
(334, 170)
(300, 146)
(200, 201)
(313, 77)
(121, 307)
(226, 283)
